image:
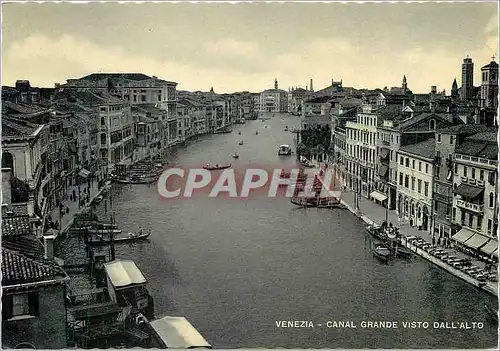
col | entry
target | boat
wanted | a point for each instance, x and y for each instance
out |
(256, 133)
(376, 231)
(305, 162)
(402, 251)
(210, 167)
(382, 252)
(240, 143)
(491, 312)
(319, 202)
(239, 133)
(138, 179)
(223, 130)
(235, 155)
(94, 225)
(119, 238)
(93, 230)
(284, 150)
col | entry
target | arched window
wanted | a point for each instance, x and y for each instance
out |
(103, 138)
(432, 124)
(492, 200)
(8, 160)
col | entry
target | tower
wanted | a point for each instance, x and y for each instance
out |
(276, 83)
(311, 85)
(489, 85)
(454, 90)
(467, 79)
(404, 85)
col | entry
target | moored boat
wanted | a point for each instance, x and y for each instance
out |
(382, 252)
(118, 238)
(210, 167)
(284, 150)
(402, 251)
(93, 230)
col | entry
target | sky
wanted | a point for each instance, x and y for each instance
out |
(245, 46)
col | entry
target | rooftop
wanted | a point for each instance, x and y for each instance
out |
(482, 145)
(19, 269)
(15, 127)
(424, 149)
(16, 226)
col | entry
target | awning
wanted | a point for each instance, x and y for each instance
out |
(463, 235)
(382, 170)
(468, 191)
(84, 173)
(123, 273)
(384, 153)
(378, 196)
(490, 247)
(476, 241)
(178, 333)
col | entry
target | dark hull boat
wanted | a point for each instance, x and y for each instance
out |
(382, 253)
(402, 251)
(216, 167)
(118, 238)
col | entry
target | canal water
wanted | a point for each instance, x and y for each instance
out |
(234, 268)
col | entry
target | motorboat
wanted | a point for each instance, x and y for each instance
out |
(235, 155)
(210, 167)
(284, 150)
(382, 252)
(241, 143)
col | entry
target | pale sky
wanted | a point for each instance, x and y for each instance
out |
(236, 47)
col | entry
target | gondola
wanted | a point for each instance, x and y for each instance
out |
(216, 167)
(119, 238)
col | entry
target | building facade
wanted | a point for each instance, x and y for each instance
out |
(274, 100)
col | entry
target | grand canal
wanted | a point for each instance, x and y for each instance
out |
(235, 267)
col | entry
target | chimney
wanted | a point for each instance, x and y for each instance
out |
(311, 85)
(48, 243)
(433, 89)
(6, 187)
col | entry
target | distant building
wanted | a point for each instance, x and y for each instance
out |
(467, 89)
(489, 86)
(274, 100)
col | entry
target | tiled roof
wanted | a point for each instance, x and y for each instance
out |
(490, 136)
(479, 148)
(319, 100)
(131, 76)
(26, 245)
(464, 129)
(492, 64)
(418, 118)
(25, 108)
(425, 148)
(15, 127)
(16, 226)
(19, 269)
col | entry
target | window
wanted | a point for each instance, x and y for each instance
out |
(454, 212)
(481, 175)
(426, 188)
(490, 222)
(426, 168)
(413, 164)
(473, 170)
(420, 166)
(21, 305)
(479, 222)
(407, 162)
(492, 200)
(397, 140)
(465, 171)
(143, 98)
(432, 124)
(407, 180)
(451, 139)
(439, 138)
(412, 183)
(419, 186)
(400, 178)
(103, 108)
(471, 220)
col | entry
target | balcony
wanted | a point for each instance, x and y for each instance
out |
(476, 160)
(470, 206)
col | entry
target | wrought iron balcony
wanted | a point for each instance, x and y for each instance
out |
(470, 206)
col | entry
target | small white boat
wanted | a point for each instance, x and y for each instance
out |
(235, 155)
(284, 150)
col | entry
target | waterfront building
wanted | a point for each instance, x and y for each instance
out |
(447, 141)
(415, 172)
(361, 150)
(137, 88)
(274, 100)
(147, 131)
(316, 112)
(475, 191)
(396, 130)
(467, 89)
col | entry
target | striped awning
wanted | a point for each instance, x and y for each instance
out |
(463, 235)
(490, 247)
(476, 241)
